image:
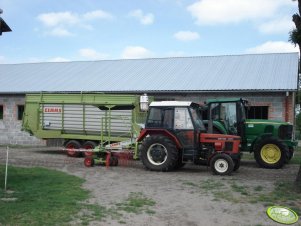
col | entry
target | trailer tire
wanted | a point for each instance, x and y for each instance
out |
(221, 164)
(159, 153)
(270, 153)
(89, 145)
(70, 146)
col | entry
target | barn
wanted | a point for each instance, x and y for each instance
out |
(268, 81)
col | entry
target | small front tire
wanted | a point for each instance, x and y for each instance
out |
(221, 164)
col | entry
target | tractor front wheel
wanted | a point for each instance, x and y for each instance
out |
(270, 153)
(221, 164)
(159, 153)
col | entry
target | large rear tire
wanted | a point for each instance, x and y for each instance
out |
(159, 153)
(72, 147)
(270, 153)
(221, 164)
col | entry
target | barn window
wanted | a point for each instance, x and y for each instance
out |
(257, 112)
(20, 111)
(1, 112)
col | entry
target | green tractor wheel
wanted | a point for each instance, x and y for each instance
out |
(270, 153)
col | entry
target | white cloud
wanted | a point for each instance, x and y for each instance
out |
(135, 52)
(59, 19)
(273, 47)
(59, 32)
(145, 19)
(92, 54)
(97, 14)
(58, 59)
(186, 36)
(277, 26)
(60, 23)
(232, 11)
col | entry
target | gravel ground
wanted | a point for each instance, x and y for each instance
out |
(190, 196)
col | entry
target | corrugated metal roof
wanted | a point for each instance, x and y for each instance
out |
(278, 71)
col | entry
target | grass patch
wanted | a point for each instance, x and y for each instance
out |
(284, 193)
(42, 197)
(136, 203)
(240, 189)
(210, 185)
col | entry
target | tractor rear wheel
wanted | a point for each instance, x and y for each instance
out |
(221, 164)
(180, 164)
(236, 164)
(159, 153)
(270, 153)
(72, 147)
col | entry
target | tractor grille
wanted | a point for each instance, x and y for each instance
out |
(285, 132)
(228, 146)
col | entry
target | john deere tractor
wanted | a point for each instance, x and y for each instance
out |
(272, 142)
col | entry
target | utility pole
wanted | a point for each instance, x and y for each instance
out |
(3, 26)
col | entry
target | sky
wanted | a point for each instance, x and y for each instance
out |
(84, 30)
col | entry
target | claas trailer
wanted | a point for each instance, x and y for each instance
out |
(85, 120)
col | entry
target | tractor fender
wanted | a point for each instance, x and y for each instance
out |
(146, 132)
(259, 139)
(234, 156)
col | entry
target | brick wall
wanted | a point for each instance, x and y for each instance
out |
(10, 126)
(280, 106)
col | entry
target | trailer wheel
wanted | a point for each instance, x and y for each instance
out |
(89, 162)
(71, 146)
(89, 145)
(159, 153)
(270, 153)
(222, 164)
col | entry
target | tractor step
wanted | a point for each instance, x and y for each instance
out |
(189, 155)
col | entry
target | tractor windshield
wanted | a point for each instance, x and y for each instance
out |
(196, 117)
(226, 114)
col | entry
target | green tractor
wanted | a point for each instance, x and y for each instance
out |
(272, 142)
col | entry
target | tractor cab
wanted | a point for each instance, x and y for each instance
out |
(228, 115)
(180, 118)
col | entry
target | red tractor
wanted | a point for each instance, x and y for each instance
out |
(174, 134)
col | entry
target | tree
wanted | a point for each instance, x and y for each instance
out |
(295, 38)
